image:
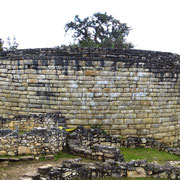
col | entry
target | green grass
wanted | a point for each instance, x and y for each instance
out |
(59, 155)
(64, 155)
(8, 156)
(21, 132)
(147, 154)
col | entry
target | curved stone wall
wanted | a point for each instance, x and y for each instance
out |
(126, 92)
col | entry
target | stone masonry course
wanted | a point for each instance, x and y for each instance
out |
(126, 92)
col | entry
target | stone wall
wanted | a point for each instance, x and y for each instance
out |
(75, 169)
(95, 144)
(26, 123)
(37, 142)
(126, 92)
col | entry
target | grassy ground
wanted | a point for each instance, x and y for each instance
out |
(59, 156)
(14, 170)
(148, 154)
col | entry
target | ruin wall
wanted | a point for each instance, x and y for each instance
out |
(126, 92)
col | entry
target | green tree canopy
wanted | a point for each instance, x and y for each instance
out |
(1, 44)
(99, 30)
(11, 44)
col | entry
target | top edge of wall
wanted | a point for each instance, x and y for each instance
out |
(86, 52)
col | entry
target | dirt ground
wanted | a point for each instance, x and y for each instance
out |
(14, 170)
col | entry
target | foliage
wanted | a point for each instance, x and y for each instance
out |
(1, 45)
(64, 155)
(148, 154)
(11, 44)
(99, 30)
(97, 126)
(21, 132)
(59, 155)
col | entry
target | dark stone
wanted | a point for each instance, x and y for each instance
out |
(13, 159)
(4, 159)
(33, 175)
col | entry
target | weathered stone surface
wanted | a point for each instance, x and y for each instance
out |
(34, 175)
(37, 141)
(4, 159)
(26, 178)
(137, 172)
(13, 159)
(127, 92)
(26, 158)
(45, 169)
(22, 150)
(75, 169)
(2, 153)
(49, 157)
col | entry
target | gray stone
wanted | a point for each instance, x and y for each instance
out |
(45, 169)
(27, 158)
(34, 175)
(49, 157)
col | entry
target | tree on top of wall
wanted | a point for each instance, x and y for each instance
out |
(99, 30)
(1, 44)
(10, 44)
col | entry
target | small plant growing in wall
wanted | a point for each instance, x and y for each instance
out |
(97, 126)
(10, 44)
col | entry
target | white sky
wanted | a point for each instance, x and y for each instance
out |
(40, 23)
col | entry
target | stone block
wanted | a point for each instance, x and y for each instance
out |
(107, 121)
(143, 131)
(129, 132)
(2, 153)
(118, 121)
(91, 73)
(30, 71)
(137, 172)
(45, 169)
(33, 81)
(159, 135)
(128, 121)
(95, 121)
(77, 121)
(23, 150)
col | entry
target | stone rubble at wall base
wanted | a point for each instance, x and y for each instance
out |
(75, 169)
(92, 143)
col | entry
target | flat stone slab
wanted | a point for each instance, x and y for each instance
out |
(27, 158)
(10, 159)
(25, 178)
(45, 169)
(13, 159)
(4, 159)
(174, 163)
(34, 175)
(49, 157)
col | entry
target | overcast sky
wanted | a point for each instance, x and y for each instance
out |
(40, 23)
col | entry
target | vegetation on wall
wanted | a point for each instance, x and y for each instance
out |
(1, 44)
(100, 30)
(11, 44)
